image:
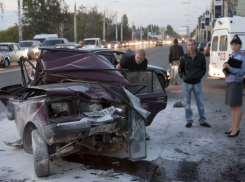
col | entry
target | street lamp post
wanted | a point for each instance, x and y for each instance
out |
(104, 20)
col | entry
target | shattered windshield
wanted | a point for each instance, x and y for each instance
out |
(143, 82)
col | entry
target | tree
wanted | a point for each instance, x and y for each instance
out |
(170, 32)
(89, 23)
(10, 35)
(43, 16)
(1, 9)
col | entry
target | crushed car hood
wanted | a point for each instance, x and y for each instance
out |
(65, 60)
(90, 90)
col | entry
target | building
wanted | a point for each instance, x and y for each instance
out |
(184, 31)
(236, 7)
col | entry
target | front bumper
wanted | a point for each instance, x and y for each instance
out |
(66, 128)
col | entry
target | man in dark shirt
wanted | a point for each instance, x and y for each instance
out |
(192, 68)
(80, 44)
(134, 62)
(175, 52)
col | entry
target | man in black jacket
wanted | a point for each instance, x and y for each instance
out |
(191, 69)
(175, 52)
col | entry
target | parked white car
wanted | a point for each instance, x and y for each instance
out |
(10, 52)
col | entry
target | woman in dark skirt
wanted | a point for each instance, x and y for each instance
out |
(234, 86)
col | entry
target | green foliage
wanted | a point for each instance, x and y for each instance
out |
(44, 16)
(10, 35)
(170, 33)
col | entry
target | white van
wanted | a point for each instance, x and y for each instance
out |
(224, 30)
(92, 43)
(43, 37)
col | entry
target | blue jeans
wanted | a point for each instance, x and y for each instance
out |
(197, 91)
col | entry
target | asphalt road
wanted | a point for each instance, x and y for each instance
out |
(174, 152)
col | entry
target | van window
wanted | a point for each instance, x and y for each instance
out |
(89, 42)
(215, 43)
(223, 43)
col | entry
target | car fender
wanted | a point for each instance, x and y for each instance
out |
(27, 141)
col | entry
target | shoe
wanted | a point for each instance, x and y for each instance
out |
(237, 133)
(227, 132)
(206, 125)
(147, 137)
(188, 125)
(175, 83)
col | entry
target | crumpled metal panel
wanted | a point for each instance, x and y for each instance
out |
(56, 59)
(137, 129)
(103, 112)
(91, 90)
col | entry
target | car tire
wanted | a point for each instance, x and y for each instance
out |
(5, 63)
(32, 55)
(40, 155)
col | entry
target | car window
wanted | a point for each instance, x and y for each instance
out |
(89, 42)
(4, 48)
(215, 43)
(51, 42)
(25, 44)
(143, 82)
(16, 47)
(223, 43)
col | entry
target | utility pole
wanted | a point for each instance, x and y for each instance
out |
(20, 24)
(75, 23)
(225, 8)
(122, 28)
(116, 27)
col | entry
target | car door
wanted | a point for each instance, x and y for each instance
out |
(146, 86)
(17, 53)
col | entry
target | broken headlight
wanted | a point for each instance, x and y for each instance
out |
(61, 108)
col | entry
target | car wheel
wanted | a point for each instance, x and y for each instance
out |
(32, 55)
(40, 155)
(5, 63)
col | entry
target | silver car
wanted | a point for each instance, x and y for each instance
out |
(32, 46)
(10, 52)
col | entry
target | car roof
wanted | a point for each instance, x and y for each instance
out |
(7, 43)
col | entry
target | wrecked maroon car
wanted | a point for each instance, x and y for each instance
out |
(77, 102)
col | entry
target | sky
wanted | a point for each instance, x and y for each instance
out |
(159, 12)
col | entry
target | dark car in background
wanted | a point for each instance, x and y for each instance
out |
(200, 47)
(78, 102)
(206, 51)
(158, 43)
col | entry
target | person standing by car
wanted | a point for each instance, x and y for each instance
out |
(80, 44)
(234, 86)
(175, 52)
(134, 62)
(191, 69)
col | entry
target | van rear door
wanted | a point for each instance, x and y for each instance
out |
(219, 52)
